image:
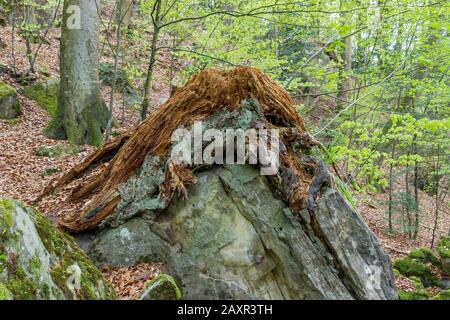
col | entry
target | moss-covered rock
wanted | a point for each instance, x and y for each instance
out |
(444, 247)
(44, 93)
(424, 255)
(9, 105)
(410, 267)
(443, 295)
(5, 294)
(59, 150)
(413, 295)
(162, 287)
(40, 262)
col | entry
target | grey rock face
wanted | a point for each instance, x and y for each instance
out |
(233, 239)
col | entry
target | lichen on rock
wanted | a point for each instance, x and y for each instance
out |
(37, 259)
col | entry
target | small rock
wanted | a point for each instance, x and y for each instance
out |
(59, 150)
(163, 287)
(9, 105)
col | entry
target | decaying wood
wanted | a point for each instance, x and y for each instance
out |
(205, 94)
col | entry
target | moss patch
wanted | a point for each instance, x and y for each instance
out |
(6, 90)
(162, 287)
(413, 295)
(409, 267)
(64, 247)
(444, 247)
(45, 94)
(424, 255)
(23, 278)
(59, 150)
(49, 171)
(5, 294)
(443, 295)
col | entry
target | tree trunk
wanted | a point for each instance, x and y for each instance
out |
(81, 113)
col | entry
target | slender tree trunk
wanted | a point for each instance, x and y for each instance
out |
(151, 65)
(81, 114)
(116, 60)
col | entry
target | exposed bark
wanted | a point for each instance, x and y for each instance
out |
(81, 114)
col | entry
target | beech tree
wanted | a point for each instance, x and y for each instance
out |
(81, 114)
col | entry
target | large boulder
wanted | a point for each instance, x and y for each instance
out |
(39, 262)
(9, 105)
(233, 238)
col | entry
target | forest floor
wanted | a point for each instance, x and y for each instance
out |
(21, 171)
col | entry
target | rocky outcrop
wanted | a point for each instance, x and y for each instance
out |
(163, 287)
(39, 262)
(233, 238)
(9, 105)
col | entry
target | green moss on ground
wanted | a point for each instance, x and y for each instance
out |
(443, 247)
(49, 172)
(5, 294)
(45, 94)
(409, 267)
(59, 150)
(424, 255)
(413, 295)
